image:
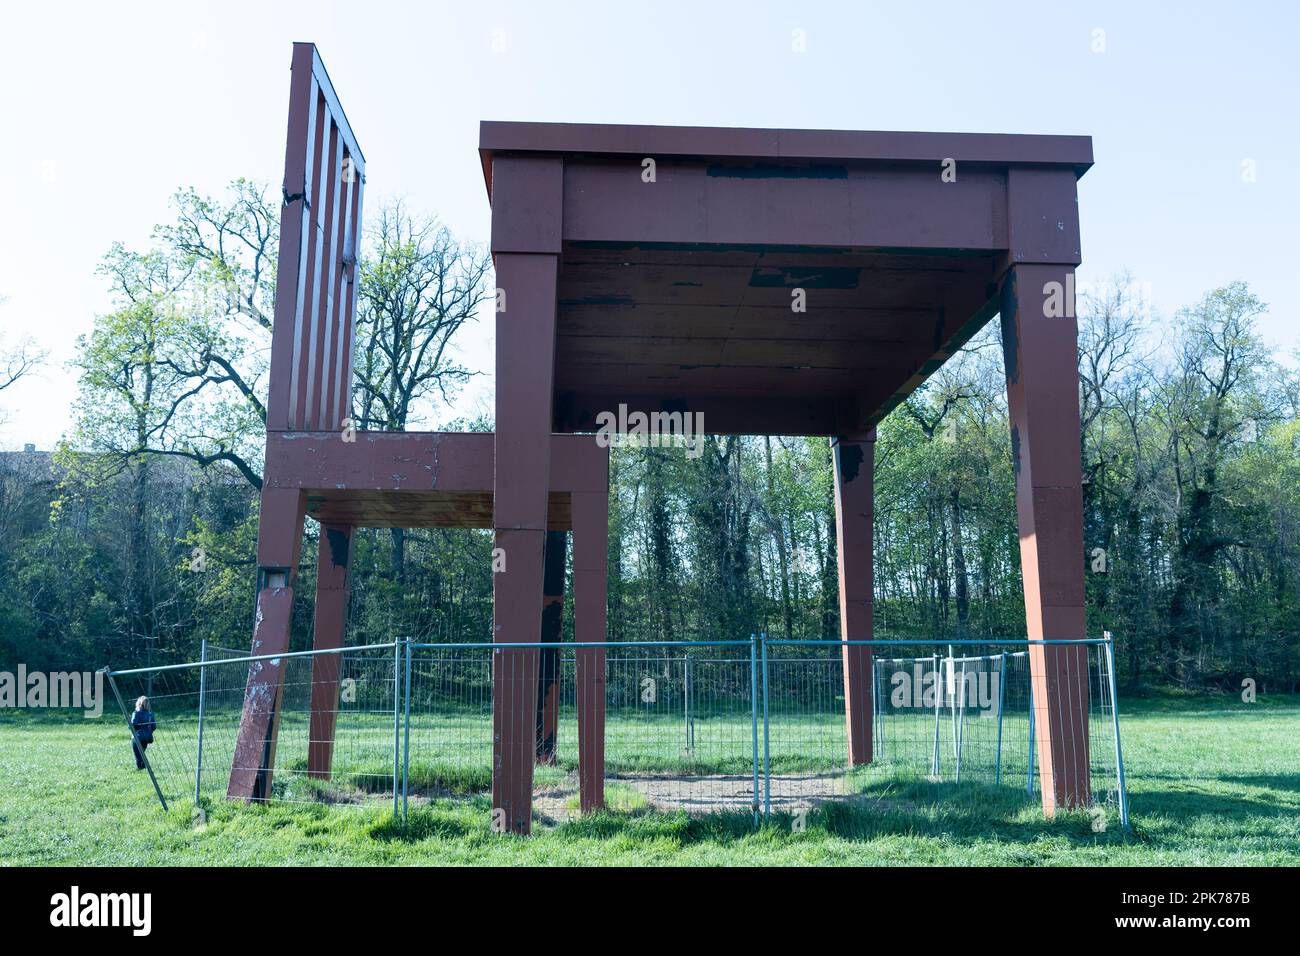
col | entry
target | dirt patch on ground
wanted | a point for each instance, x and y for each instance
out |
(711, 793)
(557, 803)
(721, 792)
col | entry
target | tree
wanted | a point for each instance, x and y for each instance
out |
(419, 286)
(185, 353)
(19, 360)
(1113, 367)
(228, 250)
(1213, 392)
(131, 389)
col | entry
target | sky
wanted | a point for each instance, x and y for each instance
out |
(106, 109)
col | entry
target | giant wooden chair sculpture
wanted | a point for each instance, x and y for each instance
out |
(790, 282)
(346, 478)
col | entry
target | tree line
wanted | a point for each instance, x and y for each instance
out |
(135, 539)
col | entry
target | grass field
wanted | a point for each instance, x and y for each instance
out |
(1211, 781)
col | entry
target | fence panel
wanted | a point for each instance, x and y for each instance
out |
(949, 722)
(363, 692)
(679, 729)
(451, 720)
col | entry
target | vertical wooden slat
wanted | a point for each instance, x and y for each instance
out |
(342, 392)
(333, 339)
(316, 379)
(321, 312)
(305, 325)
(295, 219)
(358, 204)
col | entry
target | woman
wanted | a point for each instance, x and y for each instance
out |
(142, 728)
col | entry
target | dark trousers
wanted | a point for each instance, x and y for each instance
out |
(139, 747)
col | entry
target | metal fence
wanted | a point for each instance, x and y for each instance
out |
(746, 726)
(955, 721)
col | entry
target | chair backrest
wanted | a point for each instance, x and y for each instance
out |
(316, 294)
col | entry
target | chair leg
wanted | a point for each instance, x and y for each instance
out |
(279, 543)
(525, 344)
(548, 674)
(1039, 346)
(590, 584)
(854, 462)
(332, 591)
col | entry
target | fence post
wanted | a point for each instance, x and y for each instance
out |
(203, 683)
(1029, 778)
(406, 732)
(753, 708)
(877, 717)
(951, 686)
(938, 697)
(1114, 716)
(1002, 696)
(143, 756)
(686, 680)
(767, 761)
(959, 720)
(397, 724)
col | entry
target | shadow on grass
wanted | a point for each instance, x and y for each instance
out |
(424, 824)
(460, 808)
(967, 811)
(427, 780)
(1198, 705)
(938, 811)
(922, 809)
(1244, 810)
(1274, 781)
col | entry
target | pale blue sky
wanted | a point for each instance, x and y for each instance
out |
(105, 110)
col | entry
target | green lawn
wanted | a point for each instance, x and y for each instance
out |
(1211, 781)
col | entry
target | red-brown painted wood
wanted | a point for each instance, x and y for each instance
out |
(324, 176)
(590, 583)
(676, 296)
(525, 344)
(279, 543)
(548, 675)
(323, 170)
(379, 467)
(854, 463)
(1043, 399)
(517, 605)
(997, 149)
(839, 205)
(355, 478)
(332, 590)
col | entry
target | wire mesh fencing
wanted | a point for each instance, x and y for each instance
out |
(340, 750)
(678, 724)
(737, 726)
(949, 722)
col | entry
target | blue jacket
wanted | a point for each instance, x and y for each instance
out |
(143, 724)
